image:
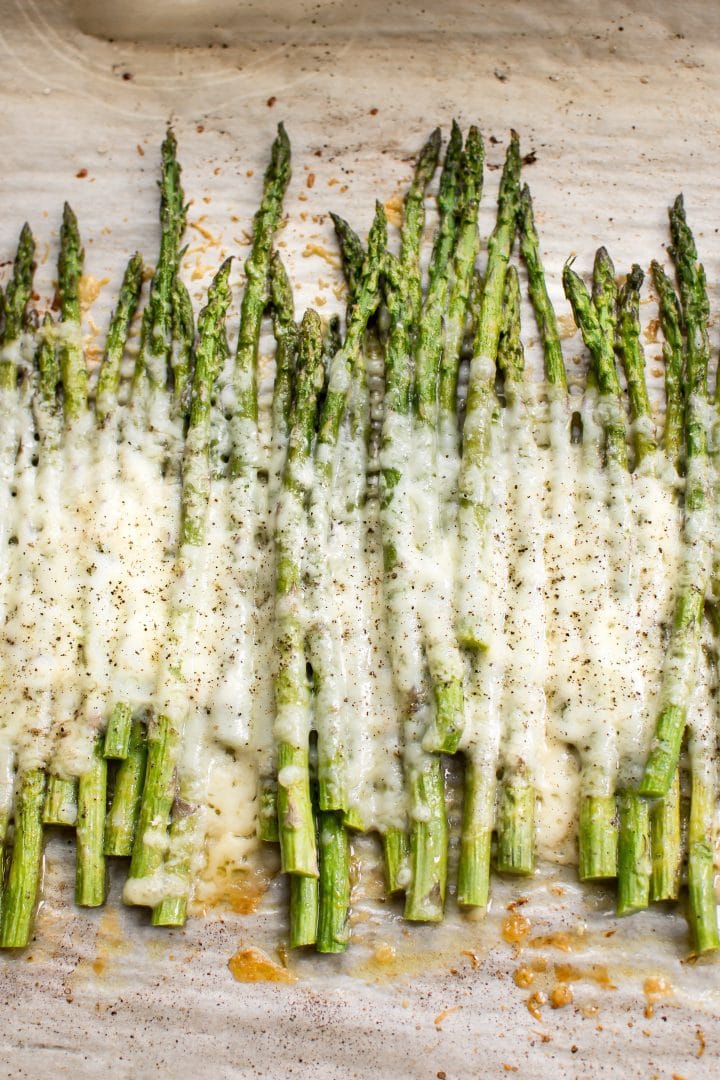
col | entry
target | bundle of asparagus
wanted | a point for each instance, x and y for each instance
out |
(417, 550)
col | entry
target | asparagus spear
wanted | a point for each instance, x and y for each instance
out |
(90, 879)
(153, 361)
(414, 221)
(681, 658)
(472, 510)
(61, 799)
(15, 301)
(125, 805)
(254, 301)
(73, 369)
(634, 838)
(631, 352)
(666, 845)
(334, 851)
(303, 907)
(183, 322)
(296, 825)
(109, 376)
(665, 828)
(425, 895)
(165, 732)
(352, 253)
(598, 811)
(286, 339)
(673, 355)
(544, 312)
(702, 906)
(444, 659)
(463, 263)
(516, 808)
(346, 371)
(23, 881)
(394, 839)
(429, 350)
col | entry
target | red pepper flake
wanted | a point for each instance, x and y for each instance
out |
(374, 112)
(200, 128)
(81, 174)
(310, 179)
(140, 150)
(271, 101)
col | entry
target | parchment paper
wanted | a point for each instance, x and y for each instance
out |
(620, 108)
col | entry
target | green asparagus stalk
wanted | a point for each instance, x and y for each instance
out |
(124, 809)
(666, 845)
(183, 323)
(702, 906)
(255, 298)
(304, 893)
(414, 221)
(486, 312)
(117, 733)
(516, 804)
(90, 878)
(346, 386)
(266, 280)
(673, 355)
(352, 254)
(334, 851)
(286, 341)
(15, 301)
(109, 376)
(165, 732)
(444, 659)
(396, 849)
(60, 804)
(596, 318)
(296, 824)
(23, 880)
(544, 312)
(681, 663)
(631, 353)
(429, 350)
(153, 361)
(463, 263)
(634, 859)
(73, 369)
(481, 407)
(428, 840)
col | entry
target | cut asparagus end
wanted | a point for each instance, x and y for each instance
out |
(117, 734)
(303, 911)
(124, 809)
(598, 838)
(634, 859)
(443, 736)
(23, 881)
(90, 877)
(516, 828)
(396, 849)
(298, 849)
(702, 905)
(61, 802)
(334, 884)
(425, 895)
(666, 845)
(473, 885)
(267, 814)
(665, 753)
